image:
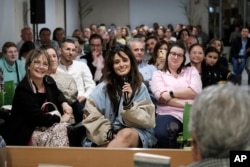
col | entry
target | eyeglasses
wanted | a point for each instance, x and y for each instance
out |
(174, 54)
(39, 64)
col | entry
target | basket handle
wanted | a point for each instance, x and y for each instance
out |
(46, 103)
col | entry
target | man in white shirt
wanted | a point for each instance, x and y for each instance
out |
(79, 70)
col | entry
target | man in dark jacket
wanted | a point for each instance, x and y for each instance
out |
(239, 51)
(95, 58)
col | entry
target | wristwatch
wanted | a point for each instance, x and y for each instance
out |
(171, 94)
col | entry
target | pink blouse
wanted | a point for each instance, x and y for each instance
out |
(165, 81)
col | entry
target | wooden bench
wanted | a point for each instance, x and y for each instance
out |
(20, 156)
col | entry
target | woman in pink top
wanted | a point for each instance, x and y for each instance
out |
(174, 86)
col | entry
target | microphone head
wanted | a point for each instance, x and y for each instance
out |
(124, 79)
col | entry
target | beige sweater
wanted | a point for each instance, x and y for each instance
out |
(67, 85)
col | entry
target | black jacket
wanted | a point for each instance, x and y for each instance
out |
(89, 59)
(26, 113)
(215, 74)
(236, 46)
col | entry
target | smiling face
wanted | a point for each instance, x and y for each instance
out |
(121, 64)
(11, 55)
(68, 52)
(38, 67)
(196, 54)
(175, 58)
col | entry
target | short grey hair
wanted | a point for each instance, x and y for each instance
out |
(132, 40)
(220, 120)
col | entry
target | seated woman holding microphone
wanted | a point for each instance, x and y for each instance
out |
(119, 112)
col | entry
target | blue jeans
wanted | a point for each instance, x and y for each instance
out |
(238, 67)
(167, 130)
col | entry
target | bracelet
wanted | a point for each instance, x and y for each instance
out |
(110, 134)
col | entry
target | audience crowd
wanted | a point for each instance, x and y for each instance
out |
(125, 86)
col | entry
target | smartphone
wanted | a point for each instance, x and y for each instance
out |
(112, 28)
(162, 53)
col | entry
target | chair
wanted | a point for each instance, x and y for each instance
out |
(9, 91)
(184, 138)
(1, 99)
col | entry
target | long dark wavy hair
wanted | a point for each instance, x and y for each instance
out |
(115, 82)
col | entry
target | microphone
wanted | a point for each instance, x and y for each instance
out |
(126, 99)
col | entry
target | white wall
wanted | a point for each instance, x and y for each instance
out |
(54, 15)
(107, 12)
(7, 20)
(120, 12)
(162, 11)
(13, 17)
(134, 12)
(72, 16)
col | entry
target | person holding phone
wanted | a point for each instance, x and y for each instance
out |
(159, 54)
(119, 112)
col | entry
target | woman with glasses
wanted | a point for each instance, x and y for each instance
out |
(173, 87)
(32, 92)
(119, 112)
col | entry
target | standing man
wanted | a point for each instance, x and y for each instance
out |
(238, 52)
(26, 35)
(79, 71)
